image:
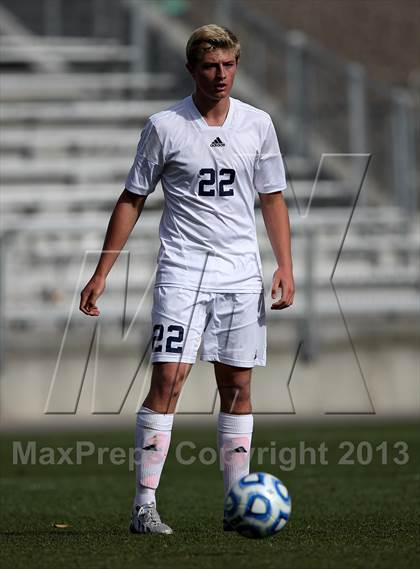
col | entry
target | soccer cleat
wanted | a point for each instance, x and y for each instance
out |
(147, 520)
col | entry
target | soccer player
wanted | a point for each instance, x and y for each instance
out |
(213, 154)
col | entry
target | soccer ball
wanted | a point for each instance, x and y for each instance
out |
(258, 505)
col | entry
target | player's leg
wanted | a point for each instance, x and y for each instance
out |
(176, 323)
(167, 381)
(153, 435)
(235, 341)
(234, 386)
(235, 422)
(154, 427)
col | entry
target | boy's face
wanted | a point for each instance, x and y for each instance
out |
(215, 73)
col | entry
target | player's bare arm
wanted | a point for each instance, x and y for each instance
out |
(276, 219)
(126, 212)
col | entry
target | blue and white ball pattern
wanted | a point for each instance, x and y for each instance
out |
(258, 505)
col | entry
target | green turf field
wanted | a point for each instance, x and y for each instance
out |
(354, 515)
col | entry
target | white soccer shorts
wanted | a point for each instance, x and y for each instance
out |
(231, 326)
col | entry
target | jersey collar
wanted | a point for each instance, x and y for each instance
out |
(200, 120)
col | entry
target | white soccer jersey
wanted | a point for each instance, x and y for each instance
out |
(210, 176)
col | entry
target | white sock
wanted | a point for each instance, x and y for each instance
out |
(153, 435)
(234, 442)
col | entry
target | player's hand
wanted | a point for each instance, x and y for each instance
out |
(284, 280)
(90, 294)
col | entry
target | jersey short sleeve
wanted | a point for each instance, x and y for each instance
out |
(269, 174)
(148, 162)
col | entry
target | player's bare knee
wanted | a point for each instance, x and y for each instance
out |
(168, 388)
(167, 380)
(235, 397)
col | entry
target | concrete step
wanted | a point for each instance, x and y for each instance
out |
(83, 112)
(78, 86)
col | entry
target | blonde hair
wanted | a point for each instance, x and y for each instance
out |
(208, 38)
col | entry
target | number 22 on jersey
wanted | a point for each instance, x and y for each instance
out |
(226, 178)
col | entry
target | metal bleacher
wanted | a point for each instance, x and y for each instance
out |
(68, 137)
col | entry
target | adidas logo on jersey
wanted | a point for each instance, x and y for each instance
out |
(217, 142)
